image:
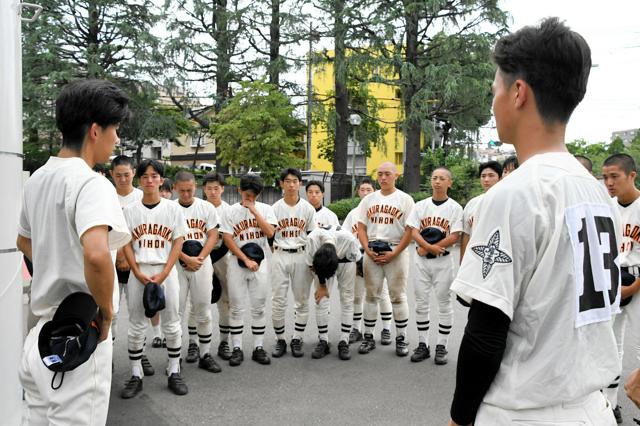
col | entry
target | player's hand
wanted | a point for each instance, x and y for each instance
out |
(251, 205)
(104, 324)
(321, 292)
(436, 250)
(159, 278)
(372, 254)
(385, 257)
(121, 264)
(421, 251)
(632, 387)
(193, 263)
(251, 265)
(144, 279)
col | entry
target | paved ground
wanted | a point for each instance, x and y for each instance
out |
(374, 389)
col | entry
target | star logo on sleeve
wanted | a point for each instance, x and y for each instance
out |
(491, 254)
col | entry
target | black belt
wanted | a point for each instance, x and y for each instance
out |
(344, 260)
(293, 250)
(430, 256)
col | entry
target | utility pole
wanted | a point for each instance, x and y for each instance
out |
(309, 95)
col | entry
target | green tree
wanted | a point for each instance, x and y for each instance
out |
(258, 130)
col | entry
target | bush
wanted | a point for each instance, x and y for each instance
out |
(342, 207)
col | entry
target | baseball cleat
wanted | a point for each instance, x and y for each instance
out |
(260, 356)
(343, 351)
(355, 336)
(236, 357)
(208, 363)
(147, 368)
(367, 345)
(156, 342)
(617, 414)
(280, 348)
(132, 387)
(441, 355)
(421, 353)
(402, 347)
(321, 349)
(193, 353)
(223, 351)
(177, 384)
(296, 348)
(385, 337)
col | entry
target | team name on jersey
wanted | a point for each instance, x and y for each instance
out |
(470, 222)
(392, 211)
(435, 221)
(198, 229)
(631, 232)
(291, 222)
(240, 228)
(151, 229)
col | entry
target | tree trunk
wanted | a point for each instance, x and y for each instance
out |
(274, 44)
(223, 65)
(342, 99)
(93, 67)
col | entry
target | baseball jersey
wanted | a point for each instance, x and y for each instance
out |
(446, 217)
(62, 200)
(294, 223)
(243, 226)
(325, 217)
(131, 197)
(469, 214)
(385, 215)
(351, 221)
(630, 246)
(153, 230)
(347, 246)
(220, 211)
(548, 260)
(200, 218)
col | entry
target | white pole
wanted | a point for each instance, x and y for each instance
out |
(10, 193)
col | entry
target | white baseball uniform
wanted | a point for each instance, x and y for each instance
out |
(469, 214)
(289, 267)
(385, 217)
(630, 259)
(348, 251)
(436, 273)
(62, 200)
(201, 217)
(154, 230)
(549, 262)
(384, 304)
(325, 218)
(239, 222)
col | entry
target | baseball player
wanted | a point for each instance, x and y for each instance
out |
(158, 229)
(295, 218)
(490, 173)
(543, 273)
(248, 221)
(332, 254)
(439, 217)
(585, 162)
(350, 223)
(70, 221)
(315, 196)
(619, 173)
(195, 272)
(213, 188)
(166, 189)
(383, 234)
(509, 165)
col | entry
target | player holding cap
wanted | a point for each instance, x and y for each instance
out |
(439, 217)
(543, 273)
(490, 173)
(295, 218)
(333, 252)
(364, 188)
(69, 223)
(213, 188)
(248, 221)
(619, 173)
(158, 229)
(383, 234)
(315, 196)
(195, 272)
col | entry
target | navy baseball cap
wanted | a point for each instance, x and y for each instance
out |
(153, 299)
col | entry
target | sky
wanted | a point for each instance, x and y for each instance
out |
(611, 28)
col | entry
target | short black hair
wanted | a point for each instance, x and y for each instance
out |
(553, 60)
(149, 162)
(122, 160)
(213, 177)
(316, 183)
(290, 171)
(586, 162)
(493, 165)
(366, 181)
(167, 185)
(184, 176)
(84, 102)
(513, 160)
(99, 168)
(325, 262)
(624, 161)
(251, 182)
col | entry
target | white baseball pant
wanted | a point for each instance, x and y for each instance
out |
(358, 301)
(197, 286)
(83, 396)
(345, 277)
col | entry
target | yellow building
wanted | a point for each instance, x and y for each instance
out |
(389, 112)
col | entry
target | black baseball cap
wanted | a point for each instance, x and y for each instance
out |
(153, 299)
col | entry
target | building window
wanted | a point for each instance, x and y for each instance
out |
(399, 158)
